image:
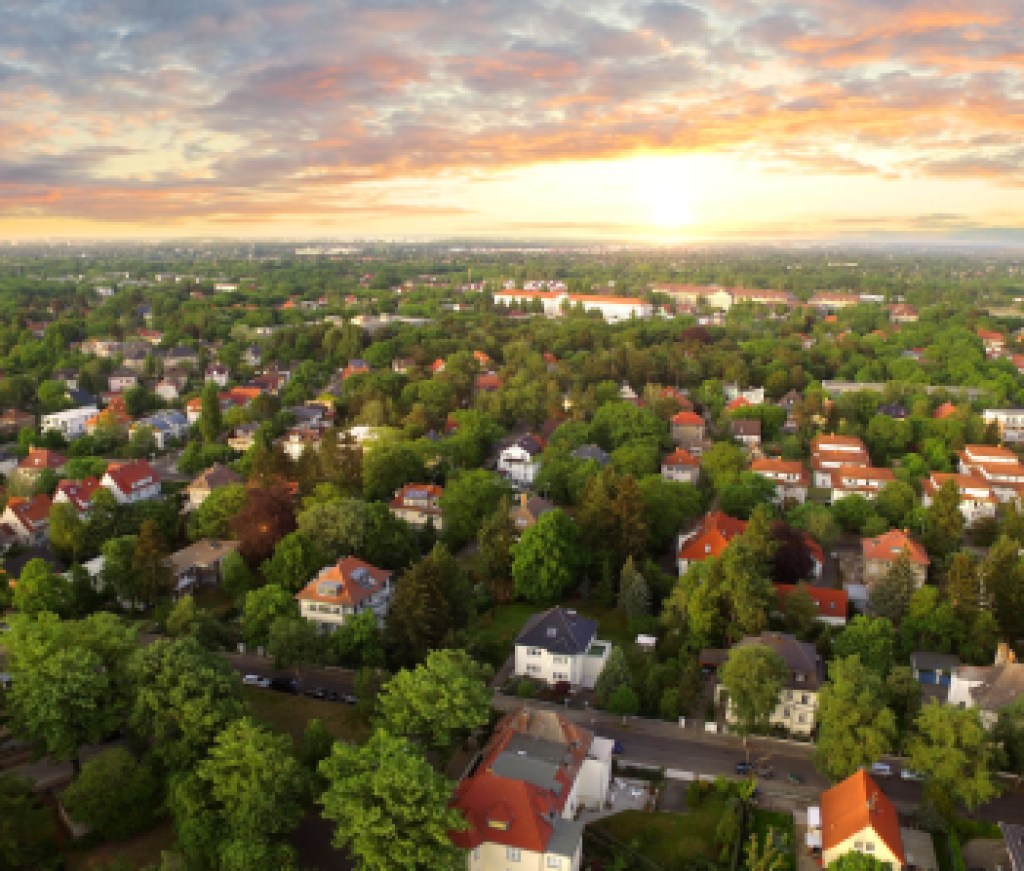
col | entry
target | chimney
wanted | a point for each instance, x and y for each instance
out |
(1004, 655)
(522, 499)
(872, 799)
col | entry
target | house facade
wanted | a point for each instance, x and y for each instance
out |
(206, 482)
(418, 505)
(78, 494)
(342, 590)
(856, 816)
(28, 518)
(832, 452)
(70, 423)
(977, 498)
(790, 478)
(131, 482)
(688, 431)
(879, 553)
(707, 539)
(199, 564)
(680, 466)
(559, 646)
(519, 462)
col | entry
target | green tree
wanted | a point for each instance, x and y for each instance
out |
(142, 442)
(741, 495)
(944, 524)
(615, 674)
(149, 562)
(873, 639)
(184, 696)
(295, 560)
(41, 589)
(854, 861)
(338, 526)
(28, 830)
(262, 607)
(293, 642)
(213, 517)
(495, 542)
(963, 586)
(889, 596)
(390, 808)
(358, 642)
(854, 725)
(389, 465)
(668, 506)
(442, 698)
(241, 800)
(467, 499)
(955, 754)
(118, 574)
(115, 795)
(547, 557)
(800, 612)
(896, 502)
(67, 531)
(766, 854)
(624, 701)
(903, 696)
(1002, 580)
(210, 423)
(611, 521)
(722, 463)
(753, 674)
(634, 594)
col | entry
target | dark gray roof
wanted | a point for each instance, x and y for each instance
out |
(1014, 837)
(591, 452)
(1003, 685)
(558, 631)
(924, 660)
(566, 837)
(745, 427)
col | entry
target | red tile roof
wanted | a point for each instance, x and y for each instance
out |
(346, 588)
(854, 805)
(947, 409)
(30, 511)
(133, 476)
(831, 603)
(42, 458)
(893, 543)
(711, 537)
(687, 418)
(78, 493)
(679, 457)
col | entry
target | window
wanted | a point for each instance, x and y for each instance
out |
(512, 854)
(533, 669)
(559, 660)
(805, 699)
(554, 862)
(534, 651)
(869, 847)
(799, 676)
(560, 675)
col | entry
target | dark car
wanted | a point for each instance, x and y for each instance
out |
(348, 698)
(765, 771)
(744, 768)
(284, 684)
(617, 748)
(316, 693)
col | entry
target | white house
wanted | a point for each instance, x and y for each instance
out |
(134, 481)
(1009, 422)
(342, 590)
(831, 452)
(560, 646)
(977, 498)
(28, 518)
(680, 466)
(168, 425)
(69, 423)
(520, 461)
(218, 374)
(789, 477)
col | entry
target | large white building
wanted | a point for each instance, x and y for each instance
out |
(560, 646)
(70, 423)
(342, 590)
(612, 308)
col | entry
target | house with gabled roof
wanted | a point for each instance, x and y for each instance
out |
(38, 459)
(168, 425)
(69, 423)
(522, 799)
(977, 498)
(879, 553)
(519, 461)
(688, 431)
(708, 539)
(832, 452)
(559, 646)
(790, 478)
(528, 510)
(866, 481)
(832, 605)
(342, 590)
(203, 484)
(133, 481)
(680, 466)
(989, 688)
(592, 452)
(856, 816)
(28, 518)
(13, 420)
(77, 493)
(418, 505)
(199, 564)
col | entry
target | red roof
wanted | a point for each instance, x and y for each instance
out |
(711, 537)
(831, 603)
(738, 402)
(42, 458)
(687, 418)
(132, 477)
(857, 804)
(487, 381)
(829, 442)
(349, 582)
(78, 493)
(679, 457)
(30, 511)
(893, 543)
(947, 409)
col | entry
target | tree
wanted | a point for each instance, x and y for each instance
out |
(624, 701)
(944, 524)
(295, 560)
(800, 612)
(390, 542)
(722, 463)
(390, 808)
(240, 801)
(634, 594)
(854, 725)
(338, 526)
(955, 754)
(235, 578)
(873, 639)
(358, 642)
(115, 795)
(142, 442)
(495, 542)
(118, 574)
(903, 697)
(791, 561)
(212, 519)
(753, 674)
(1009, 734)
(547, 557)
(741, 495)
(444, 697)
(67, 531)
(1002, 582)
(889, 596)
(765, 854)
(615, 674)
(262, 607)
(963, 586)
(149, 563)
(267, 516)
(28, 830)
(387, 466)
(467, 499)
(854, 861)
(293, 642)
(41, 589)
(668, 505)
(896, 502)
(184, 696)
(210, 423)
(611, 520)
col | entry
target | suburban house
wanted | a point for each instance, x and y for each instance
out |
(1009, 422)
(798, 700)
(418, 505)
(934, 671)
(709, 538)
(592, 453)
(879, 553)
(167, 390)
(864, 481)
(519, 462)
(342, 590)
(521, 800)
(38, 459)
(856, 816)
(990, 688)
(746, 432)
(977, 498)
(559, 646)
(528, 509)
(168, 425)
(218, 374)
(70, 423)
(12, 421)
(28, 518)
(790, 478)
(680, 466)
(111, 419)
(206, 482)
(130, 482)
(77, 493)
(300, 439)
(688, 431)
(122, 379)
(832, 452)
(198, 565)
(997, 466)
(832, 604)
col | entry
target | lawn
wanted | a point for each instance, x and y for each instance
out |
(761, 821)
(673, 841)
(284, 712)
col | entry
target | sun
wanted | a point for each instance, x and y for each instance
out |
(670, 209)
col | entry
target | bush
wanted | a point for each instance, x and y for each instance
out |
(526, 688)
(115, 795)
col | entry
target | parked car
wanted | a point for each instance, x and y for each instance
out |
(793, 777)
(910, 774)
(880, 769)
(765, 771)
(617, 748)
(254, 680)
(744, 768)
(284, 684)
(348, 698)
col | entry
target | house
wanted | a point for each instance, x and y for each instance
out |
(180, 356)
(977, 498)
(945, 411)
(856, 816)
(519, 462)
(744, 396)
(122, 379)
(901, 313)
(418, 505)
(934, 671)
(797, 706)
(241, 438)
(486, 382)
(521, 801)
(36, 461)
(831, 452)
(69, 423)
(355, 367)
(199, 564)
(168, 425)
(550, 300)
(77, 493)
(998, 466)
(592, 453)
(342, 590)
(831, 301)
(879, 553)
(110, 419)
(746, 432)
(1009, 422)
(528, 510)
(832, 604)
(864, 481)
(206, 482)
(993, 342)
(709, 538)
(403, 365)
(218, 373)
(13, 421)
(559, 646)
(680, 466)
(990, 688)
(688, 431)
(68, 376)
(131, 482)
(790, 478)
(28, 518)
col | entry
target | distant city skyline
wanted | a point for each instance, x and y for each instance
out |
(721, 120)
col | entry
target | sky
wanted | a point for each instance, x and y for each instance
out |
(598, 119)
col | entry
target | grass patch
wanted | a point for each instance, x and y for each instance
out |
(612, 624)
(493, 633)
(142, 851)
(284, 712)
(761, 821)
(674, 841)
